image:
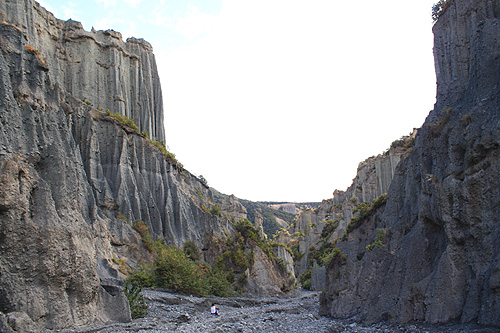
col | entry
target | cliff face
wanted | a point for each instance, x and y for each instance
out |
(373, 178)
(96, 66)
(72, 180)
(431, 254)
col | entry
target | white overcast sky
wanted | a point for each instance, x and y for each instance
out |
(279, 100)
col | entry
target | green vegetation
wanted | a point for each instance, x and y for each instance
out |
(122, 217)
(328, 229)
(466, 118)
(124, 120)
(270, 215)
(405, 142)
(138, 307)
(439, 8)
(296, 254)
(41, 61)
(202, 179)
(437, 127)
(305, 278)
(143, 230)
(378, 240)
(168, 155)
(269, 224)
(336, 254)
(183, 272)
(321, 255)
(173, 269)
(215, 210)
(191, 250)
(364, 210)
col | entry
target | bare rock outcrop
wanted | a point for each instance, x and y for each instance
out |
(431, 253)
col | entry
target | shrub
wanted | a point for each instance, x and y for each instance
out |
(247, 230)
(191, 250)
(203, 179)
(219, 283)
(378, 240)
(215, 210)
(364, 210)
(405, 142)
(122, 217)
(305, 278)
(138, 307)
(143, 230)
(124, 120)
(168, 155)
(328, 229)
(41, 61)
(173, 270)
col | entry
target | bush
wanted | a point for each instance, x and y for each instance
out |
(143, 230)
(364, 210)
(191, 250)
(378, 240)
(124, 120)
(138, 307)
(305, 278)
(173, 270)
(215, 210)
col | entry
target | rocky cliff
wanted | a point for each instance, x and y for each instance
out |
(315, 229)
(96, 66)
(74, 178)
(431, 252)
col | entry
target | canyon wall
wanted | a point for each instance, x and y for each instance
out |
(74, 180)
(373, 178)
(431, 252)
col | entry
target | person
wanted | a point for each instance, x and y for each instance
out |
(214, 310)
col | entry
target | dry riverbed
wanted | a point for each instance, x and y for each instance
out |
(177, 313)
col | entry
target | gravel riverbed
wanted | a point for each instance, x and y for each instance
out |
(178, 313)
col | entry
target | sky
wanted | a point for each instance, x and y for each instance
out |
(279, 100)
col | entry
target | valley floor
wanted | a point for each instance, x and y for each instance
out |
(177, 313)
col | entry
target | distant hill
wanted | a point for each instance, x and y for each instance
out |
(274, 213)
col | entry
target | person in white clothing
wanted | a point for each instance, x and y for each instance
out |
(214, 310)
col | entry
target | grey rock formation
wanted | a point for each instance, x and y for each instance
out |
(318, 277)
(233, 208)
(68, 171)
(373, 178)
(266, 278)
(438, 259)
(73, 180)
(97, 66)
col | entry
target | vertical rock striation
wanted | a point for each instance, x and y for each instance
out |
(72, 179)
(431, 253)
(96, 66)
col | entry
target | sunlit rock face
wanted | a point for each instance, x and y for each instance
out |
(439, 260)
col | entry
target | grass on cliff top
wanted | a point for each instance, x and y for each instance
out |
(126, 121)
